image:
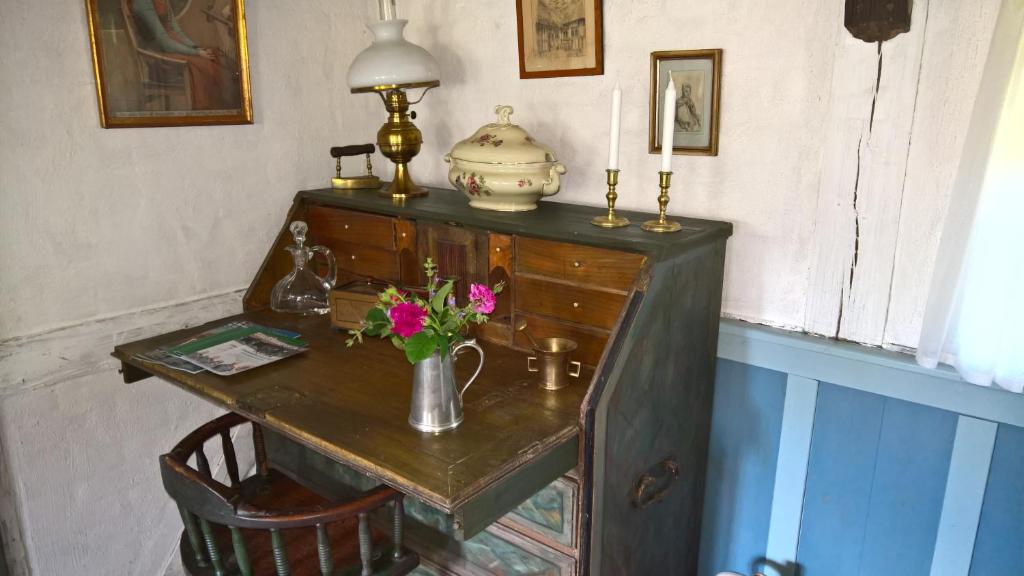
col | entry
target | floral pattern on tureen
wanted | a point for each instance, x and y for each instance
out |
(501, 167)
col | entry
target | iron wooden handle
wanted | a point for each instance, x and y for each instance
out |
(644, 493)
(353, 150)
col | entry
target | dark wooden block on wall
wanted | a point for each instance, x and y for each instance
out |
(878, 20)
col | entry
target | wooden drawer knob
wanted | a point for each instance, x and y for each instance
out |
(577, 264)
(575, 304)
(346, 226)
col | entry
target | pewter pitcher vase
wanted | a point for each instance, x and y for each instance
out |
(436, 400)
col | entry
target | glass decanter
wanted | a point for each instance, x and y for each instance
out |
(303, 291)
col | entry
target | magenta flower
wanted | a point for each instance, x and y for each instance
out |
(481, 298)
(407, 318)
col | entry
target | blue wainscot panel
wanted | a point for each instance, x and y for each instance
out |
(999, 547)
(910, 471)
(744, 447)
(876, 481)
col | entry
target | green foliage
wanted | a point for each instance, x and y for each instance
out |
(445, 324)
(420, 346)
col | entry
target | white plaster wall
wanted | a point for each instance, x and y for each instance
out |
(96, 227)
(796, 133)
(777, 67)
(95, 222)
(84, 458)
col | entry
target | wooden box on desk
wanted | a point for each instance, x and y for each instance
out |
(351, 302)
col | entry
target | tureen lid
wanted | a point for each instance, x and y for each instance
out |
(502, 142)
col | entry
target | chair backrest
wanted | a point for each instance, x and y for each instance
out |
(203, 500)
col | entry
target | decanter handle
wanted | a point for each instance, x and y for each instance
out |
(332, 266)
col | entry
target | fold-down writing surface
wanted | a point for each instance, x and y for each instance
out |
(351, 405)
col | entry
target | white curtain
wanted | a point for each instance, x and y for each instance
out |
(974, 318)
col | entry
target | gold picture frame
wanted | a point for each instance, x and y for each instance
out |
(698, 78)
(559, 38)
(170, 62)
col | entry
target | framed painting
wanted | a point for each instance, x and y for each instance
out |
(559, 38)
(697, 76)
(170, 62)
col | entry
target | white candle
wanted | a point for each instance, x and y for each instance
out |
(668, 125)
(613, 146)
(387, 9)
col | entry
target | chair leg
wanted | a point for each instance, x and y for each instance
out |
(193, 534)
(280, 553)
(397, 529)
(365, 545)
(323, 548)
(241, 552)
(211, 547)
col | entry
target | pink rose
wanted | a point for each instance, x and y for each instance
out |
(481, 298)
(407, 318)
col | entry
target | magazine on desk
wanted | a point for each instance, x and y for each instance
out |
(229, 349)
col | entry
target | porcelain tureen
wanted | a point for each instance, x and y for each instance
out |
(501, 167)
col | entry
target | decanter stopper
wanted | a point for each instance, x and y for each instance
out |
(299, 229)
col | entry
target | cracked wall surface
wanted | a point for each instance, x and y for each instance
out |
(889, 127)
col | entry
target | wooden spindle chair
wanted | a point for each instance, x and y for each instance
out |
(240, 516)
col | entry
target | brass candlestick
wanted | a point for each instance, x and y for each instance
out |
(662, 224)
(611, 220)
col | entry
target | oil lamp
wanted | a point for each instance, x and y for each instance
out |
(389, 67)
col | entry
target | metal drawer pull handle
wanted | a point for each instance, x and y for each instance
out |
(668, 469)
(575, 304)
(577, 264)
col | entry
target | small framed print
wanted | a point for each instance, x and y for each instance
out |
(697, 75)
(170, 62)
(559, 38)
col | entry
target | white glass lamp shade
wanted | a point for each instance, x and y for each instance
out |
(391, 60)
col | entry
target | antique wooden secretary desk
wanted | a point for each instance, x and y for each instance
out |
(603, 477)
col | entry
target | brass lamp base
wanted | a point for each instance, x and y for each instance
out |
(399, 139)
(402, 186)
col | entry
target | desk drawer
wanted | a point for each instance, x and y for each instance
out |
(366, 261)
(497, 550)
(331, 224)
(581, 305)
(549, 515)
(574, 263)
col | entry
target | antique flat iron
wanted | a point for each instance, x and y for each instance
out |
(365, 182)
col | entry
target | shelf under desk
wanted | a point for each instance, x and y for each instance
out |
(351, 405)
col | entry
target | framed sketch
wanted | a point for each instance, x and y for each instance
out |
(559, 38)
(170, 62)
(697, 75)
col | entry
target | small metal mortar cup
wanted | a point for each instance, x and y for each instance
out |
(553, 356)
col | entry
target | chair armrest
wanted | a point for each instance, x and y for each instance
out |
(162, 56)
(297, 518)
